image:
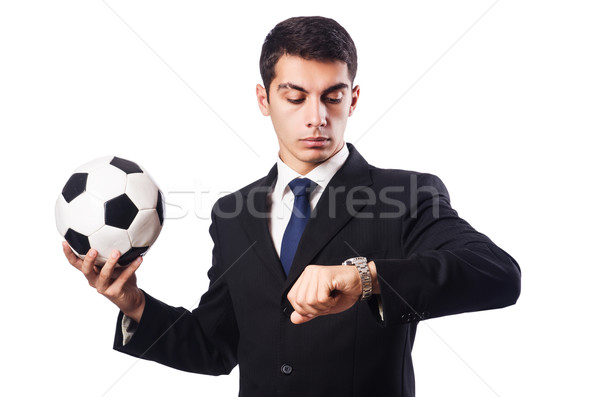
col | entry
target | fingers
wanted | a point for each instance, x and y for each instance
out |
(106, 273)
(87, 266)
(110, 280)
(322, 290)
(314, 294)
(311, 295)
(126, 274)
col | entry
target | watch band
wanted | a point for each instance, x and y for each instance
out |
(361, 265)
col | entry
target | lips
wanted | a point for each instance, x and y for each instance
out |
(314, 142)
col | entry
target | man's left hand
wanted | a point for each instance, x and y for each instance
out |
(324, 290)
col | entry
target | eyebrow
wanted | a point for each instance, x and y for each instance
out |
(293, 86)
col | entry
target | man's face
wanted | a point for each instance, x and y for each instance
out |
(309, 104)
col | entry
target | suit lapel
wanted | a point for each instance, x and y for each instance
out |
(331, 212)
(255, 221)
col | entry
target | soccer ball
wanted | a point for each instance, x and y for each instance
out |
(110, 203)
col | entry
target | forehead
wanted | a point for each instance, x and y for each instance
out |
(309, 74)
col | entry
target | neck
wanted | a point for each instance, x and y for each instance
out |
(301, 167)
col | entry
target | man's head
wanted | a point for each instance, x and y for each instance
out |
(308, 65)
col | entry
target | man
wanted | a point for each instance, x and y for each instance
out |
(280, 303)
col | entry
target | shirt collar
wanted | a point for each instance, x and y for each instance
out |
(321, 174)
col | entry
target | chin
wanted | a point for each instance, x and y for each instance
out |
(318, 155)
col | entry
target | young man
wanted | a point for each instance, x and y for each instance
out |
(280, 303)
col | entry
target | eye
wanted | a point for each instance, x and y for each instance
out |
(333, 100)
(295, 101)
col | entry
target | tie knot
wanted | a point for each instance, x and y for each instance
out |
(301, 186)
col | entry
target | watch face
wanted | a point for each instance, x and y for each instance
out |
(361, 262)
(358, 261)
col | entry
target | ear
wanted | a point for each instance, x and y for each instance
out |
(355, 95)
(261, 97)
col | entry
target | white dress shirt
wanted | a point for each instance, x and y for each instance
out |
(282, 197)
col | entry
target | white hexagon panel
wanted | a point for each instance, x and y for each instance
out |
(110, 203)
(86, 214)
(106, 182)
(141, 190)
(108, 239)
(145, 228)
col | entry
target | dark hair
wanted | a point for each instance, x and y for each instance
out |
(318, 38)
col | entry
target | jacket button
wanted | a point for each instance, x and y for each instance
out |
(286, 369)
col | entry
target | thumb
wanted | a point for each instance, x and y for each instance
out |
(298, 318)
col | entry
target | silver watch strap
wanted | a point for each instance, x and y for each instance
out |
(365, 275)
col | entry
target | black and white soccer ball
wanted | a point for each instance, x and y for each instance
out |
(110, 203)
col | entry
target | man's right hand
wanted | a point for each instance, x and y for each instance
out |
(118, 284)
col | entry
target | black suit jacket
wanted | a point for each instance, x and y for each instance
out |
(430, 263)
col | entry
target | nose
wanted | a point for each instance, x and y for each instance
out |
(316, 114)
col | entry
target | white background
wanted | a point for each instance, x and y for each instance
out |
(503, 110)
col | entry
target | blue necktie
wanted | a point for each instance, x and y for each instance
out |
(301, 187)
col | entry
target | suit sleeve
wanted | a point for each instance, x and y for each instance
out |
(202, 341)
(447, 267)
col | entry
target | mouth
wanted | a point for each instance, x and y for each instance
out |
(317, 139)
(313, 142)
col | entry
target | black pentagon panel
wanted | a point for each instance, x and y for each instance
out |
(79, 242)
(128, 167)
(131, 255)
(160, 207)
(74, 186)
(119, 212)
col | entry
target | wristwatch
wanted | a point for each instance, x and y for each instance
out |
(365, 275)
